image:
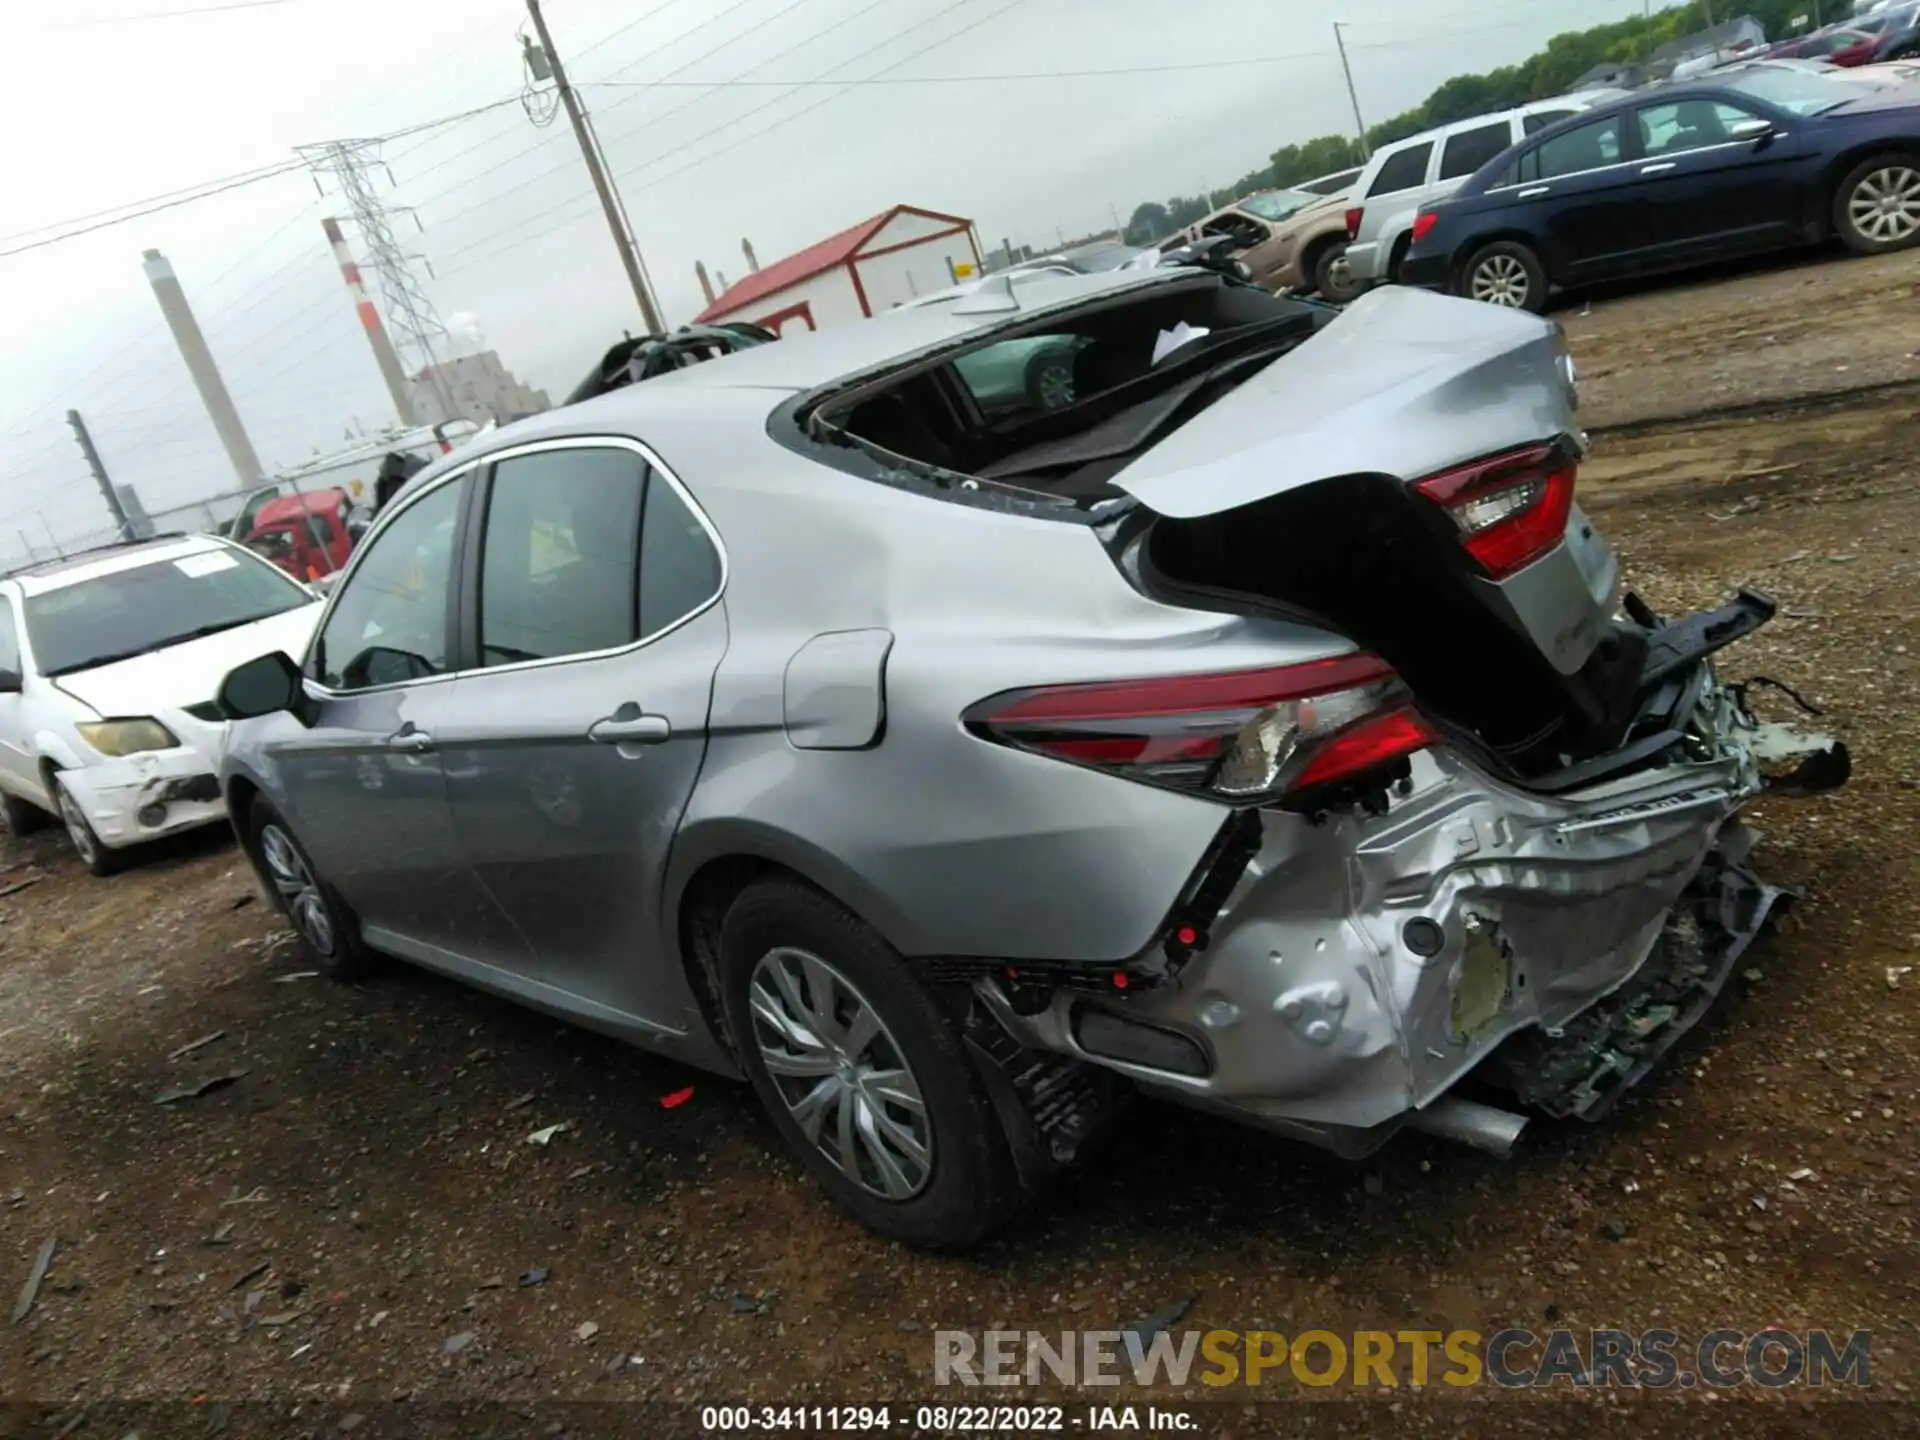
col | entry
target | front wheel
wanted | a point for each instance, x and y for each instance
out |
(1508, 274)
(863, 1073)
(1333, 276)
(99, 857)
(1049, 380)
(326, 928)
(1877, 207)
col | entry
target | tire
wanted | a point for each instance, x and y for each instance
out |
(328, 932)
(99, 857)
(1506, 273)
(1049, 380)
(1876, 209)
(1332, 278)
(951, 1179)
(23, 816)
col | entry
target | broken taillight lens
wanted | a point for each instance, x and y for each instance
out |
(1511, 508)
(1240, 736)
(1353, 222)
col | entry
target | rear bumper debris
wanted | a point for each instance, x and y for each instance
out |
(1556, 945)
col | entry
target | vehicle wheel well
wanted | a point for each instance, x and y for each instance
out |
(1397, 254)
(1310, 257)
(240, 797)
(48, 769)
(1844, 164)
(703, 909)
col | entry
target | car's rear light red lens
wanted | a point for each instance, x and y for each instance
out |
(1511, 508)
(1424, 222)
(1353, 222)
(1241, 736)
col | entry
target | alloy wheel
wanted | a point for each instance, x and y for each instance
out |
(298, 890)
(1501, 280)
(1885, 205)
(1340, 275)
(1054, 385)
(78, 831)
(840, 1073)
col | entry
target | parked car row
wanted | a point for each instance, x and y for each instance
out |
(1263, 727)
(1759, 159)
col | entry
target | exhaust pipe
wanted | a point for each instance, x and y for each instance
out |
(1470, 1123)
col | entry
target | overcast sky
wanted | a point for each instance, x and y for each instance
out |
(102, 108)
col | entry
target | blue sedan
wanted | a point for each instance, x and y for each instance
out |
(1679, 176)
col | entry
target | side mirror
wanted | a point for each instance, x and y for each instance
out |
(1755, 129)
(10, 683)
(261, 687)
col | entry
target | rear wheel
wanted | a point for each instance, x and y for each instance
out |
(863, 1073)
(1049, 380)
(1333, 276)
(326, 927)
(1506, 273)
(1877, 207)
(23, 816)
(94, 853)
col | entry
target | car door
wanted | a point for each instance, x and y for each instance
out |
(1581, 190)
(1713, 182)
(363, 786)
(18, 773)
(596, 629)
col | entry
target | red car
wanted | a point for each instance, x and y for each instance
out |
(306, 535)
(1836, 47)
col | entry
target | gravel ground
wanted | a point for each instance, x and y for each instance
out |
(356, 1226)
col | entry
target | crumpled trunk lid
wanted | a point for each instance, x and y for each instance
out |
(1403, 383)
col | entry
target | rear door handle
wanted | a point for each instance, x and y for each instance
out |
(1533, 192)
(630, 730)
(1657, 168)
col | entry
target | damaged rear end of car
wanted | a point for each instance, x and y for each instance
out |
(1490, 839)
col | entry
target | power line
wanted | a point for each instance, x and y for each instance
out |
(173, 14)
(957, 79)
(259, 172)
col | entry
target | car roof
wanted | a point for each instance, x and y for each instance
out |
(1598, 98)
(106, 560)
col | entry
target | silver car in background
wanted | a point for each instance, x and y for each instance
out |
(1265, 729)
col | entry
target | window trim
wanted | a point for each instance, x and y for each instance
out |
(1626, 131)
(388, 516)
(473, 551)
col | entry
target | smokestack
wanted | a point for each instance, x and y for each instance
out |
(383, 354)
(746, 247)
(720, 279)
(206, 375)
(706, 285)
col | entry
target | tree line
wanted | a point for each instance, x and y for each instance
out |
(1545, 73)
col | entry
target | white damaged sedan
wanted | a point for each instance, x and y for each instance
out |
(108, 665)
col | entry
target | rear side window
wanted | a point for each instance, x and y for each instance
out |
(679, 566)
(9, 639)
(559, 565)
(1470, 149)
(1403, 170)
(1589, 147)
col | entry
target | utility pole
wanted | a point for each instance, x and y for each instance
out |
(107, 492)
(200, 365)
(590, 152)
(1359, 125)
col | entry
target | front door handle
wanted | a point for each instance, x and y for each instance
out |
(1533, 192)
(1657, 168)
(626, 729)
(411, 741)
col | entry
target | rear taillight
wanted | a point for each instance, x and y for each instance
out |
(1353, 222)
(1423, 222)
(1511, 508)
(1240, 737)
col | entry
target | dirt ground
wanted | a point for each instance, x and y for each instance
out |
(340, 1234)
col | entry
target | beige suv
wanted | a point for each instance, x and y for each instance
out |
(1289, 239)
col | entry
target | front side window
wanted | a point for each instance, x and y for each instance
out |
(1688, 125)
(9, 640)
(1588, 147)
(559, 561)
(390, 621)
(142, 608)
(1470, 149)
(1403, 170)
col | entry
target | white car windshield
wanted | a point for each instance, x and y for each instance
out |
(143, 608)
(1793, 91)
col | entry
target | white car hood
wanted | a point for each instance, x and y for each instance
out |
(189, 673)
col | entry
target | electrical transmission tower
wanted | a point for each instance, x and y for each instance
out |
(417, 328)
